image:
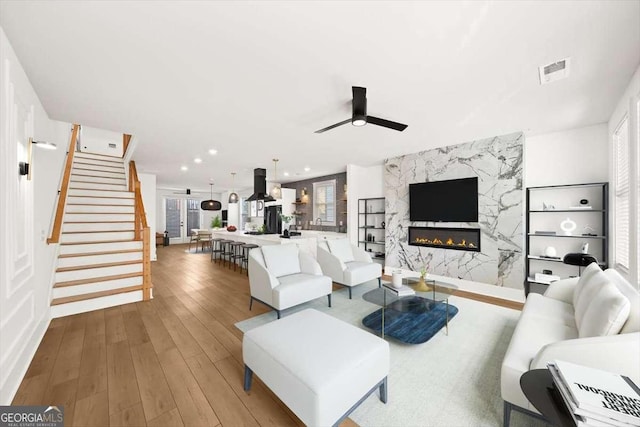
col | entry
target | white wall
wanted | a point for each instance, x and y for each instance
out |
(362, 183)
(97, 141)
(628, 106)
(205, 218)
(148, 190)
(25, 220)
(574, 156)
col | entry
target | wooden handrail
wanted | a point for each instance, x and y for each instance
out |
(142, 230)
(62, 197)
(126, 139)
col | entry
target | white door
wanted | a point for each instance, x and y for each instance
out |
(181, 216)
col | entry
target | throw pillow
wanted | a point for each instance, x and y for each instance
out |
(606, 313)
(588, 290)
(341, 249)
(589, 271)
(281, 260)
(633, 322)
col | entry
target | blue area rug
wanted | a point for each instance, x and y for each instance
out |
(411, 320)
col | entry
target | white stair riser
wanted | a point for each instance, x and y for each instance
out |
(97, 179)
(100, 201)
(105, 166)
(98, 259)
(97, 186)
(103, 174)
(68, 291)
(98, 209)
(90, 273)
(94, 304)
(97, 193)
(90, 163)
(97, 226)
(80, 155)
(97, 237)
(83, 217)
(99, 247)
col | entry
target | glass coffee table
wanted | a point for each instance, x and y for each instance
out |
(412, 319)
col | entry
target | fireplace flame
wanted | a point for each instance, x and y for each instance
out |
(449, 242)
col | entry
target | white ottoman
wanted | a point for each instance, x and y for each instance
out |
(322, 368)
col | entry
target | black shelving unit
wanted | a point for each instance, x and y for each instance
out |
(370, 230)
(558, 200)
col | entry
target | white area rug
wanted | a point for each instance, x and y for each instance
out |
(450, 380)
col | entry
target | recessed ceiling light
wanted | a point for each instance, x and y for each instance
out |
(286, 174)
(307, 168)
(197, 160)
(213, 152)
(184, 168)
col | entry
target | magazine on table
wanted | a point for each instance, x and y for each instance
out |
(596, 397)
(401, 292)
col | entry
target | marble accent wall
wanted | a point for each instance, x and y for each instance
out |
(497, 162)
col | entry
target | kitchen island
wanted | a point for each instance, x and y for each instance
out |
(307, 242)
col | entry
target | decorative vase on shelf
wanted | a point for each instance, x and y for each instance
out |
(422, 286)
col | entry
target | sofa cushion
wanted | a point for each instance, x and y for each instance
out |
(281, 260)
(587, 289)
(551, 309)
(633, 322)
(341, 249)
(297, 288)
(589, 271)
(606, 313)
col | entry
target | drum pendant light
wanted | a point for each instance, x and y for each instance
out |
(211, 205)
(276, 191)
(233, 197)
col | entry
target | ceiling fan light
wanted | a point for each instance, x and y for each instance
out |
(358, 122)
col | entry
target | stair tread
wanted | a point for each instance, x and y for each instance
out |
(95, 204)
(82, 254)
(97, 279)
(100, 241)
(100, 213)
(100, 197)
(76, 170)
(97, 189)
(98, 231)
(102, 265)
(97, 222)
(82, 155)
(92, 295)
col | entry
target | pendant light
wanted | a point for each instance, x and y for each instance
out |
(211, 205)
(276, 191)
(233, 197)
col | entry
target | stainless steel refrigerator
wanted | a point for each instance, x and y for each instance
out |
(272, 219)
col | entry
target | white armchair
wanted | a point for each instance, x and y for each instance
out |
(347, 265)
(281, 276)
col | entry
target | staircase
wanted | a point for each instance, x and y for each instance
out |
(101, 260)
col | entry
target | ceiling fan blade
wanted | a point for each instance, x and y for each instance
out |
(333, 126)
(386, 123)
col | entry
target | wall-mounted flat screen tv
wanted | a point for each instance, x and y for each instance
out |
(454, 200)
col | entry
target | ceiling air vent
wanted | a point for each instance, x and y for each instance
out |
(554, 71)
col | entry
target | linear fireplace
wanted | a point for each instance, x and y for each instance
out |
(460, 239)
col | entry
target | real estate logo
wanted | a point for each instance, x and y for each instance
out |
(31, 416)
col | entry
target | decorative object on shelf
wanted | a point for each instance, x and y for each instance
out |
(383, 224)
(396, 279)
(276, 191)
(233, 197)
(24, 167)
(568, 226)
(545, 233)
(210, 205)
(588, 231)
(585, 248)
(286, 219)
(579, 259)
(303, 193)
(550, 252)
(584, 201)
(547, 207)
(547, 272)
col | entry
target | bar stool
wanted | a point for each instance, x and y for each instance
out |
(225, 250)
(233, 257)
(244, 262)
(216, 248)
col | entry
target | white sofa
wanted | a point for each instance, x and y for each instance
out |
(281, 276)
(347, 265)
(592, 321)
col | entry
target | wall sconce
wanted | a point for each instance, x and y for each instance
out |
(24, 167)
(303, 193)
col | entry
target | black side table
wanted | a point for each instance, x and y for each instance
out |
(537, 385)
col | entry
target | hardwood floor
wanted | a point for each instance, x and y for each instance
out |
(175, 360)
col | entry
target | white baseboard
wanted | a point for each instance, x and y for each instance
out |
(9, 388)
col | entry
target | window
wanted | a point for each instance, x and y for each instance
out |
(324, 202)
(622, 194)
(172, 212)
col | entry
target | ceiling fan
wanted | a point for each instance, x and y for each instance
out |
(359, 114)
